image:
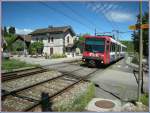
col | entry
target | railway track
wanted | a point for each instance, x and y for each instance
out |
(31, 71)
(27, 94)
(21, 73)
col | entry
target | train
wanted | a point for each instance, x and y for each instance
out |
(102, 50)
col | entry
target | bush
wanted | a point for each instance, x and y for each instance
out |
(36, 47)
(77, 102)
(46, 55)
(58, 56)
(145, 99)
(10, 64)
(135, 60)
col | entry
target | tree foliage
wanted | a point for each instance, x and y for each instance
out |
(9, 38)
(12, 30)
(36, 47)
(129, 44)
(5, 31)
(79, 43)
(136, 35)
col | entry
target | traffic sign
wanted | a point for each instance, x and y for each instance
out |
(135, 27)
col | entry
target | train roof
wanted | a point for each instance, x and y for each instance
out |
(106, 37)
(102, 36)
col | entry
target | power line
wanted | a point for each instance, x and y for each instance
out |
(62, 13)
(108, 20)
(80, 16)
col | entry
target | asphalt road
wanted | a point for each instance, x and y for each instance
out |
(117, 82)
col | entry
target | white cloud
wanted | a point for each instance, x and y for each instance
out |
(23, 31)
(118, 16)
(102, 7)
(112, 11)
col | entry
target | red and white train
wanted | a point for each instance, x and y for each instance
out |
(102, 50)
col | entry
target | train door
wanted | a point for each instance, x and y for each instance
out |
(107, 52)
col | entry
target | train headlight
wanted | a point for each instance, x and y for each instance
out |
(83, 59)
(102, 61)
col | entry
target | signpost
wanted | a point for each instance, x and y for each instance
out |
(136, 27)
(140, 53)
(140, 27)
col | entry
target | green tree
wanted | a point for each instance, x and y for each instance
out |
(129, 44)
(36, 47)
(5, 31)
(12, 30)
(18, 45)
(10, 38)
(136, 35)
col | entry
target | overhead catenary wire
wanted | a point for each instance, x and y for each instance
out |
(112, 23)
(73, 19)
(68, 16)
(80, 16)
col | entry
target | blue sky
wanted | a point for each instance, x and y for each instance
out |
(84, 17)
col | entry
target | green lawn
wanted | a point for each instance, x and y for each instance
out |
(10, 64)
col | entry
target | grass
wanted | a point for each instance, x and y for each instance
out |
(145, 99)
(58, 56)
(10, 64)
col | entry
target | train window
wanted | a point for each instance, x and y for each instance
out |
(113, 47)
(110, 47)
(117, 48)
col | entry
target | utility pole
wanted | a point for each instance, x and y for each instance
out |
(117, 32)
(24, 45)
(95, 32)
(140, 53)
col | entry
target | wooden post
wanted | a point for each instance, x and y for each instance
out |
(45, 104)
(140, 54)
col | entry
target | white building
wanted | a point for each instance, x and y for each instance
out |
(57, 40)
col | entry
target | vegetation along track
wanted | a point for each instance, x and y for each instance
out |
(24, 93)
(30, 71)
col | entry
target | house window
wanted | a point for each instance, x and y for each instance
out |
(52, 39)
(48, 40)
(68, 39)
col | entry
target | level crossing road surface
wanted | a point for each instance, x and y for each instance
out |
(117, 82)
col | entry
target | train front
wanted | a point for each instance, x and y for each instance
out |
(93, 54)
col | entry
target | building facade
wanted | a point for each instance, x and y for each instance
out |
(56, 40)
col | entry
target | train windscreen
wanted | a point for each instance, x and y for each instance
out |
(95, 45)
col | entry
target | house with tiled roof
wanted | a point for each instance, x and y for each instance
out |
(57, 40)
